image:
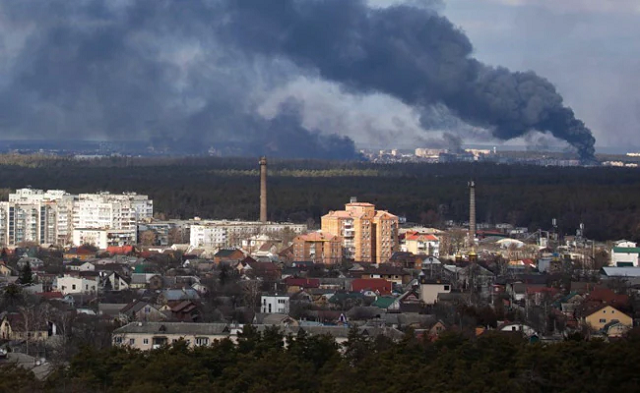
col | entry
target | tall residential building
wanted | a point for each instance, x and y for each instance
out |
(367, 234)
(51, 217)
(318, 247)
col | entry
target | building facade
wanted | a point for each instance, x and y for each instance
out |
(318, 247)
(50, 217)
(224, 233)
(367, 234)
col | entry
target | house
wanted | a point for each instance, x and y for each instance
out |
(625, 254)
(429, 289)
(275, 303)
(82, 253)
(15, 326)
(34, 263)
(117, 282)
(184, 311)
(68, 284)
(80, 266)
(228, 256)
(388, 272)
(406, 260)
(265, 270)
(142, 311)
(422, 244)
(407, 302)
(296, 284)
(378, 286)
(599, 316)
(175, 296)
(274, 320)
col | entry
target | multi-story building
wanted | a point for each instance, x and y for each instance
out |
(223, 233)
(318, 247)
(367, 234)
(422, 244)
(51, 217)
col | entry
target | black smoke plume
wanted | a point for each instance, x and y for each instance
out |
(411, 53)
(195, 72)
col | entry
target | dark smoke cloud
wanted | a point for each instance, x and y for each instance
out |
(413, 54)
(146, 70)
(194, 72)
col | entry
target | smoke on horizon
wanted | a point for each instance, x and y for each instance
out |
(196, 72)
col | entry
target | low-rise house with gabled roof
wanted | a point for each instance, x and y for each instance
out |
(598, 316)
(172, 297)
(142, 311)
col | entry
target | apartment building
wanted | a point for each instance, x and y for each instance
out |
(318, 247)
(225, 233)
(367, 234)
(50, 217)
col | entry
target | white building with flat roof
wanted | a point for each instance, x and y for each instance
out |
(50, 217)
(227, 233)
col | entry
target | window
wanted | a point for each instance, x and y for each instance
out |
(132, 341)
(73, 287)
(202, 341)
(118, 340)
(281, 301)
(145, 341)
(603, 321)
(446, 287)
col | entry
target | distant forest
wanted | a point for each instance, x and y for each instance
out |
(606, 200)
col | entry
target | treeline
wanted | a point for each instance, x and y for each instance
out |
(604, 199)
(262, 363)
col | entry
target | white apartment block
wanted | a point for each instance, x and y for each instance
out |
(225, 233)
(103, 238)
(51, 217)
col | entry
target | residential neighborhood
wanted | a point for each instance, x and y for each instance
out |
(361, 269)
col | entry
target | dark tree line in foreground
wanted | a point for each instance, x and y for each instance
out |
(262, 363)
(604, 199)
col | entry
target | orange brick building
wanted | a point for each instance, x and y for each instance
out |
(367, 234)
(318, 247)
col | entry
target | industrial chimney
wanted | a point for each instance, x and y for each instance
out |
(263, 189)
(472, 212)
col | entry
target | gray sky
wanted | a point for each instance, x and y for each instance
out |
(590, 49)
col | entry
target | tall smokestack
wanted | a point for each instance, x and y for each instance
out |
(263, 189)
(472, 212)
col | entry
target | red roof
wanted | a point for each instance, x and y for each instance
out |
(607, 296)
(50, 295)
(302, 282)
(119, 250)
(421, 236)
(378, 285)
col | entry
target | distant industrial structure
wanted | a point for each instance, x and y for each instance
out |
(263, 189)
